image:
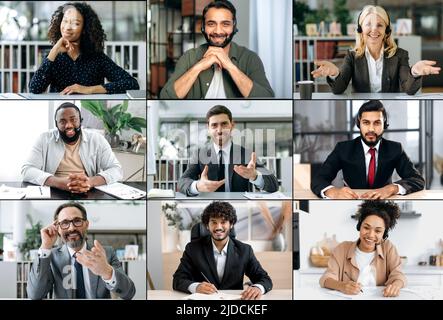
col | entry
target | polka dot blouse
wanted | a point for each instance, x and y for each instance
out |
(87, 70)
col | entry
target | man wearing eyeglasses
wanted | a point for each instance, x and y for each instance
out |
(75, 270)
(218, 69)
(71, 158)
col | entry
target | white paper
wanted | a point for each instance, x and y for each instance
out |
(265, 195)
(161, 193)
(11, 193)
(38, 192)
(213, 296)
(122, 191)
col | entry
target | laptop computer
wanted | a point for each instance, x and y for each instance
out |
(136, 94)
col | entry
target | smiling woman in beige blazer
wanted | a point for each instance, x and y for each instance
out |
(375, 64)
(372, 260)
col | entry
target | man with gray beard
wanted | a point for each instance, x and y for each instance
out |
(75, 270)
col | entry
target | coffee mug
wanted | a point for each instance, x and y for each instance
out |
(306, 88)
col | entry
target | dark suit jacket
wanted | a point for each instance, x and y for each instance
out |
(349, 157)
(396, 76)
(198, 258)
(238, 155)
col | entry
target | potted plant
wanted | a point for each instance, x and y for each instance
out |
(32, 241)
(181, 220)
(114, 119)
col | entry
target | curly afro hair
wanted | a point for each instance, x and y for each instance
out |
(219, 209)
(92, 38)
(387, 210)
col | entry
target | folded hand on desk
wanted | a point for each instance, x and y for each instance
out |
(381, 193)
(341, 193)
(392, 290)
(251, 293)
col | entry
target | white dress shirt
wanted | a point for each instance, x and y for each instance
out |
(401, 189)
(259, 182)
(375, 68)
(111, 283)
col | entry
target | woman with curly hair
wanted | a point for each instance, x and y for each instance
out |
(370, 261)
(77, 62)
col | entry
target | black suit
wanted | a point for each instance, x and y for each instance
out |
(349, 157)
(198, 258)
(396, 76)
(238, 156)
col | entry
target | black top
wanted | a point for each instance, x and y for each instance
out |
(87, 70)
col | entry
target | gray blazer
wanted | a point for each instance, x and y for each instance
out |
(396, 75)
(207, 156)
(48, 274)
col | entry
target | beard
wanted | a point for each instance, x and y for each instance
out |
(371, 143)
(226, 234)
(73, 244)
(228, 39)
(72, 139)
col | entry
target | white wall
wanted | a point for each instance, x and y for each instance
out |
(416, 238)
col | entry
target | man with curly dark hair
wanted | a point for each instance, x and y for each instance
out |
(370, 261)
(218, 261)
(77, 62)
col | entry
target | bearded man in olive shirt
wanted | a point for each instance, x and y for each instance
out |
(220, 68)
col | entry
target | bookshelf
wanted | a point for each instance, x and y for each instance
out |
(20, 59)
(175, 28)
(308, 49)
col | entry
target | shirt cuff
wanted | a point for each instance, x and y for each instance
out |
(262, 289)
(401, 189)
(259, 182)
(334, 77)
(193, 287)
(193, 189)
(44, 253)
(322, 193)
(111, 282)
(415, 75)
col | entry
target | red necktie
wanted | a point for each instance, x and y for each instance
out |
(371, 171)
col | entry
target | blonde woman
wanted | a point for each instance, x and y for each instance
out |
(375, 64)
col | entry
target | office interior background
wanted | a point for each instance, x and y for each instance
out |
(264, 27)
(424, 42)
(24, 43)
(166, 244)
(20, 223)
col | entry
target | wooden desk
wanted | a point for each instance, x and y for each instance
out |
(278, 294)
(424, 194)
(93, 194)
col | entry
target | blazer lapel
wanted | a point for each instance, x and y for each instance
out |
(230, 258)
(361, 65)
(382, 154)
(211, 154)
(388, 70)
(209, 254)
(64, 259)
(93, 280)
(359, 157)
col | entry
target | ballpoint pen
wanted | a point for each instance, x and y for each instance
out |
(353, 280)
(207, 280)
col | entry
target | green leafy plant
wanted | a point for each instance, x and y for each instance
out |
(115, 118)
(32, 238)
(175, 218)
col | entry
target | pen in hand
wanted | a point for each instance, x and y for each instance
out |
(361, 290)
(207, 280)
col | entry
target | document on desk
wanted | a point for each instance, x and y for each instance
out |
(122, 191)
(213, 296)
(38, 192)
(265, 195)
(11, 193)
(161, 193)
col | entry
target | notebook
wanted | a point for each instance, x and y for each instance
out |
(214, 296)
(136, 94)
(161, 193)
(122, 191)
(30, 192)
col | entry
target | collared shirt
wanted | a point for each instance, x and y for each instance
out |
(246, 60)
(259, 182)
(216, 89)
(375, 68)
(47, 153)
(111, 283)
(86, 70)
(342, 265)
(401, 189)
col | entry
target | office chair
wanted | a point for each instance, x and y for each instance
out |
(199, 230)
